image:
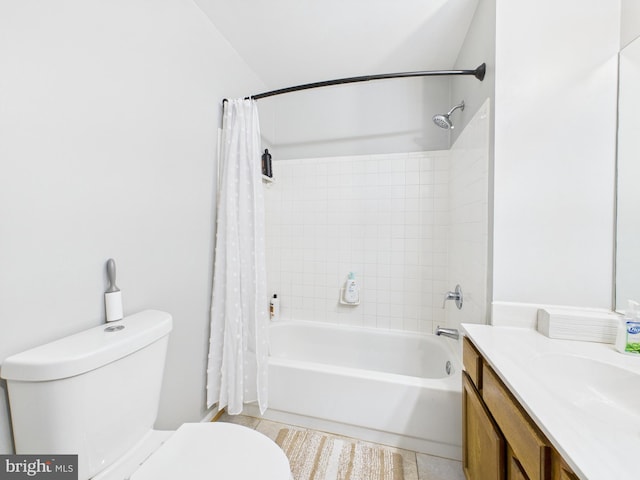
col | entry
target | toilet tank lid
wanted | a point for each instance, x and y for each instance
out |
(89, 349)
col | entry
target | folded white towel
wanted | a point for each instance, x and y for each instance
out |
(578, 324)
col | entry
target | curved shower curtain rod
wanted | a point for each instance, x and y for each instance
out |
(479, 73)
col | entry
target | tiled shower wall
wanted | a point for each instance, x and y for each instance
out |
(411, 226)
(383, 217)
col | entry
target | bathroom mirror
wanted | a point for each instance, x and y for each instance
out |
(628, 191)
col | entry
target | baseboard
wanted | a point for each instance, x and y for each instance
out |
(212, 415)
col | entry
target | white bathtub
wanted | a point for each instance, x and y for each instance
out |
(380, 386)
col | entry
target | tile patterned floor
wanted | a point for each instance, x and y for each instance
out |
(417, 466)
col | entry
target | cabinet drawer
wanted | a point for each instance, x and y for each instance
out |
(472, 362)
(528, 445)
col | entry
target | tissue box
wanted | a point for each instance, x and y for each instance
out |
(577, 324)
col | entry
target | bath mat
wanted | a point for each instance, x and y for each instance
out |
(316, 456)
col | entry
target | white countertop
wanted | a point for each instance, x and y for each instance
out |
(597, 436)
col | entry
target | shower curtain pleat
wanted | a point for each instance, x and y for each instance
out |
(237, 365)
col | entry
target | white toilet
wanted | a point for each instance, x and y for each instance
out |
(96, 394)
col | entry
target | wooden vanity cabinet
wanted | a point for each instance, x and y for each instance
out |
(500, 441)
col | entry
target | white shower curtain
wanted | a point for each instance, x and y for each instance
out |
(237, 369)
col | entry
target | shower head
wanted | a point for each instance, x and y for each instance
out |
(442, 119)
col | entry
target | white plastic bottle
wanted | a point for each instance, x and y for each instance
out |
(351, 291)
(274, 308)
(628, 335)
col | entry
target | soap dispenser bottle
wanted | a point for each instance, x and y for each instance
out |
(628, 335)
(351, 293)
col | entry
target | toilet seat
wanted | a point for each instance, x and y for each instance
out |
(215, 451)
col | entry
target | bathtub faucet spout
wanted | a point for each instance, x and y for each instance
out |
(447, 332)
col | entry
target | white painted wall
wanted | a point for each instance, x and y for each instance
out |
(377, 117)
(288, 42)
(333, 40)
(556, 78)
(107, 149)
(629, 21)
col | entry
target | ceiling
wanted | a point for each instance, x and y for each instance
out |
(290, 42)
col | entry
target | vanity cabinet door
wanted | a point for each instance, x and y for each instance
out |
(514, 468)
(483, 453)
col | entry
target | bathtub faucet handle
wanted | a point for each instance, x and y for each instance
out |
(455, 295)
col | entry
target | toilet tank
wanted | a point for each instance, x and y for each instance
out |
(94, 394)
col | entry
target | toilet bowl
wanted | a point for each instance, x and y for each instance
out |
(207, 451)
(96, 394)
